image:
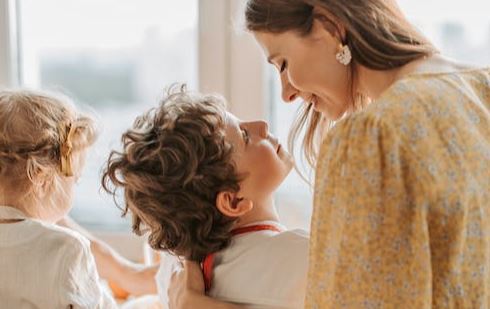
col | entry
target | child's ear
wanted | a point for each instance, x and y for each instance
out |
(232, 206)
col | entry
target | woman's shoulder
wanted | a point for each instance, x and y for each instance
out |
(437, 83)
(414, 118)
(421, 99)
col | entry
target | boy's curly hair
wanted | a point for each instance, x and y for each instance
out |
(174, 162)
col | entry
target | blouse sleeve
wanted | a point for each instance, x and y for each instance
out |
(81, 285)
(369, 237)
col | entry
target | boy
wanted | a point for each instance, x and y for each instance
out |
(202, 182)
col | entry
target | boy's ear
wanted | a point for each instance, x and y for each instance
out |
(230, 205)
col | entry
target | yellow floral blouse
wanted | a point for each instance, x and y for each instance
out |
(402, 199)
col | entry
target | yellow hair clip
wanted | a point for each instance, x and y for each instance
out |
(66, 148)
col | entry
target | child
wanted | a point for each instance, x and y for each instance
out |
(43, 142)
(202, 182)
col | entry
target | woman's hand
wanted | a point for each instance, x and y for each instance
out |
(186, 290)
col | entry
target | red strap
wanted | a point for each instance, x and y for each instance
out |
(254, 228)
(208, 263)
(207, 271)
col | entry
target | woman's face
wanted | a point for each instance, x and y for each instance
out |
(308, 68)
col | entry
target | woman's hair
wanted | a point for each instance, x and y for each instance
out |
(377, 33)
(175, 160)
(40, 134)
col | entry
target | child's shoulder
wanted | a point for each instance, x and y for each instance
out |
(296, 238)
(278, 260)
(297, 234)
(62, 239)
(291, 243)
(285, 240)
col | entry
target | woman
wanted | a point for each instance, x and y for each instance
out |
(402, 184)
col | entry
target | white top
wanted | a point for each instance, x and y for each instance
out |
(43, 265)
(263, 269)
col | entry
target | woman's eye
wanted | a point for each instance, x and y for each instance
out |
(283, 66)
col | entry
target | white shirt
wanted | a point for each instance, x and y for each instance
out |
(259, 270)
(46, 266)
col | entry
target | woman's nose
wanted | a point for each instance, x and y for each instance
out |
(289, 93)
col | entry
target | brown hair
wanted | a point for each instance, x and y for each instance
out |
(40, 133)
(174, 162)
(377, 34)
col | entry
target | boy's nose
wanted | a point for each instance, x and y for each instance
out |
(263, 129)
(260, 128)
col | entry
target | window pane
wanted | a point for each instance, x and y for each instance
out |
(461, 30)
(114, 57)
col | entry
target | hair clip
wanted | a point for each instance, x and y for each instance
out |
(66, 148)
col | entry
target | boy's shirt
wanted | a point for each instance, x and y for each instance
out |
(43, 265)
(263, 269)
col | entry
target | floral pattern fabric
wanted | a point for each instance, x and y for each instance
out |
(402, 199)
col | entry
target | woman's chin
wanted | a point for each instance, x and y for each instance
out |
(329, 110)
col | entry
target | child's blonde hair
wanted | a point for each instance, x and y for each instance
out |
(41, 135)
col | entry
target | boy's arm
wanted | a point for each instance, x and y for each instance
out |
(187, 290)
(136, 279)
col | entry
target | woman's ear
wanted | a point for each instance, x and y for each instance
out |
(230, 205)
(329, 23)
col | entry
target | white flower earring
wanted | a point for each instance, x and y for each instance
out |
(344, 56)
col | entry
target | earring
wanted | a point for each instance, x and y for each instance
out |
(344, 56)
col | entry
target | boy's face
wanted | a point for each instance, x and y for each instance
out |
(258, 155)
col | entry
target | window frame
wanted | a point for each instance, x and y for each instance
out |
(9, 55)
(229, 63)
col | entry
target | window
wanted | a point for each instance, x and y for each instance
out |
(461, 30)
(114, 57)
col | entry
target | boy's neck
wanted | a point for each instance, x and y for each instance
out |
(264, 210)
